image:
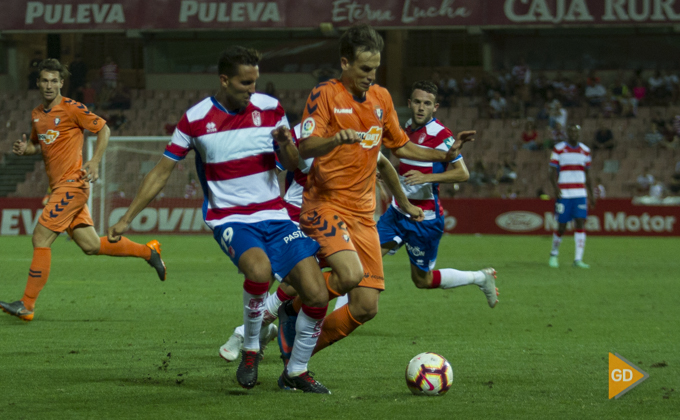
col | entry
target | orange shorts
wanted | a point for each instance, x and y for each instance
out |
(337, 231)
(66, 209)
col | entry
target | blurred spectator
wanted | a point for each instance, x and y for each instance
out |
(78, 78)
(530, 136)
(569, 93)
(639, 90)
(599, 191)
(604, 139)
(324, 74)
(654, 136)
(521, 73)
(595, 93)
(498, 106)
(478, 174)
(120, 98)
(33, 73)
(556, 135)
(515, 107)
(610, 107)
(674, 183)
(628, 105)
(469, 85)
(644, 181)
(656, 190)
(109, 73)
(671, 82)
(671, 141)
(89, 96)
(557, 114)
(507, 173)
(657, 87)
(619, 88)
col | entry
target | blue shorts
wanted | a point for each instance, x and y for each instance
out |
(421, 238)
(567, 209)
(282, 241)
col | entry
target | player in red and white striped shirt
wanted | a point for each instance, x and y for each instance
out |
(569, 166)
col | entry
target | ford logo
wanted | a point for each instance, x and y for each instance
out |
(519, 221)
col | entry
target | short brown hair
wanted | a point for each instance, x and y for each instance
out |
(235, 56)
(360, 38)
(52, 64)
(425, 86)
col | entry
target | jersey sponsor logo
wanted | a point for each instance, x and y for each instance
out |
(422, 138)
(308, 127)
(211, 127)
(293, 236)
(415, 250)
(48, 137)
(57, 121)
(257, 120)
(370, 138)
(519, 221)
(342, 110)
(449, 141)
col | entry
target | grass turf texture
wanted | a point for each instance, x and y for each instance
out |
(111, 341)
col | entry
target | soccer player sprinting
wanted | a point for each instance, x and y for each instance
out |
(569, 175)
(420, 181)
(345, 122)
(57, 133)
(235, 136)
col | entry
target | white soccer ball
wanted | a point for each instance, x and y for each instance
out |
(429, 374)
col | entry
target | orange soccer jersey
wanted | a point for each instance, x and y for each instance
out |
(59, 131)
(345, 177)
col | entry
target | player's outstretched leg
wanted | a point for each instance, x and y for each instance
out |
(286, 334)
(17, 309)
(489, 286)
(155, 259)
(151, 252)
(232, 348)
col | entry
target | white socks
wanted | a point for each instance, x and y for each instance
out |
(580, 240)
(253, 308)
(307, 331)
(557, 240)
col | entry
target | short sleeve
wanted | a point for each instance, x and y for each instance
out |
(85, 119)
(316, 116)
(554, 158)
(394, 136)
(181, 144)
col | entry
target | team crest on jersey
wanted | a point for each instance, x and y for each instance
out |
(371, 138)
(422, 137)
(345, 237)
(379, 113)
(48, 137)
(257, 120)
(308, 127)
(211, 127)
(56, 121)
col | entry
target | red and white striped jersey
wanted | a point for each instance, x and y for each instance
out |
(235, 158)
(571, 162)
(426, 196)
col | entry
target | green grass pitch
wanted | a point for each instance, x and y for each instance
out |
(111, 341)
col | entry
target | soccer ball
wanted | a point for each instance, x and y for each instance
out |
(429, 374)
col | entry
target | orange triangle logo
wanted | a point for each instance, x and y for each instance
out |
(623, 376)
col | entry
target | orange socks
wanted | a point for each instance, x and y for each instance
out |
(332, 294)
(338, 325)
(37, 275)
(123, 248)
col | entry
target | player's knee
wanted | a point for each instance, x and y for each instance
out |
(90, 250)
(349, 279)
(364, 313)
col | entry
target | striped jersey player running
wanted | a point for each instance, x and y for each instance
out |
(569, 175)
(235, 135)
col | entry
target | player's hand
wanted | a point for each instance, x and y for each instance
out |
(282, 135)
(414, 177)
(415, 212)
(348, 136)
(19, 146)
(463, 137)
(117, 230)
(90, 171)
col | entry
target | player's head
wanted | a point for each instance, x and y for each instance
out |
(574, 133)
(238, 70)
(51, 78)
(423, 102)
(360, 48)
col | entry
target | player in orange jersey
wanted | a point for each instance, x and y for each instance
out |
(345, 122)
(58, 125)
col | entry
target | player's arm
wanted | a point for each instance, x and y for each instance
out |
(24, 147)
(426, 154)
(152, 184)
(553, 174)
(91, 167)
(319, 146)
(390, 178)
(591, 197)
(456, 172)
(287, 152)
